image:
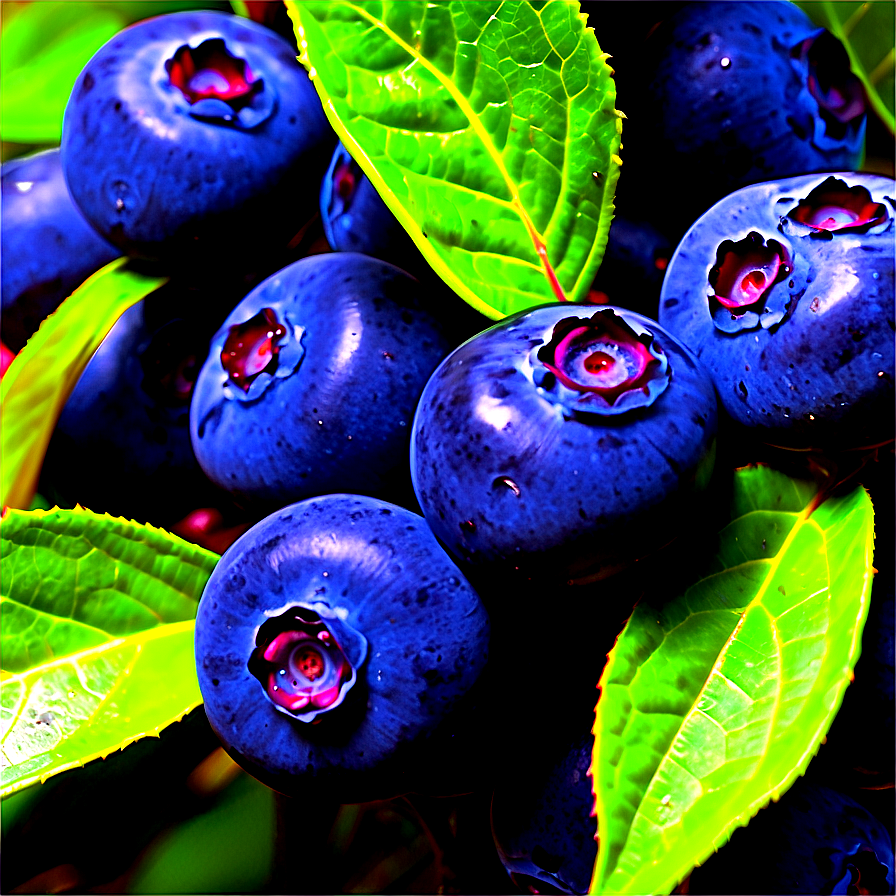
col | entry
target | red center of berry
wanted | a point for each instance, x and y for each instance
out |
(344, 180)
(834, 206)
(600, 356)
(305, 667)
(746, 270)
(211, 71)
(252, 347)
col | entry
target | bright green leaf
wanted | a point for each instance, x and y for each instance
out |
(488, 128)
(40, 379)
(867, 31)
(44, 46)
(713, 703)
(96, 637)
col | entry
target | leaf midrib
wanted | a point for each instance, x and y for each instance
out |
(774, 563)
(477, 127)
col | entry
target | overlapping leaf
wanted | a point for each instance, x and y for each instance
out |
(713, 703)
(96, 637)
(488, 128)
(40, 379)
(866, 29)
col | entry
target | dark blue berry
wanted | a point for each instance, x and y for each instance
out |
(784, 290)
(543, 820)
(721, 95)
(564, 442)
(192, 137)
(311, 383)
(814, 840)
(356, 219)
(48, 248)
(335, 645)
(122, 442)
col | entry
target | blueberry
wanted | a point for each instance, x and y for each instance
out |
(814, 840)
(48, 248)
(356, 219)
(785, 291)
(122, 442)
(543, 820)
(310, 384)
(336, 647)
(193, 137)
(563, 442)
(721, 95)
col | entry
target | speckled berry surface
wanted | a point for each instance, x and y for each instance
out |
(192, 137)
(325, 404)
(372, 567)
(515, 471)
(804, 355)
(48, 248)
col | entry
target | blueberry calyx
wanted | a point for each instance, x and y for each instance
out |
(253, 348)
(600, 364)
(832, 84)
(306, 660)
(741, 281)
(835, 207)
(219, 87)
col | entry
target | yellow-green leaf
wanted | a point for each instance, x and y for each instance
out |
(41, 377)
(96, 637)
(714, 702)
(488, 128)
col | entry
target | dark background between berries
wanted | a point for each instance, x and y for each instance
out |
(97, 829)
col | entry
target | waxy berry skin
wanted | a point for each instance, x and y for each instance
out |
(813, 840)
(721, 95)
(311, 383)
(543, 820)
(192, 137)
(412, 628)
(48, 249)
(122, 442)
(355, 218)
(800, 344)
(515, 470)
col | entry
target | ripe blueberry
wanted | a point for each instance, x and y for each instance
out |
(721, 95)
(814, 840)
(543, 821)
(122, 442)
(335, 644)
(48, 248)
(192, 137)
(564, 441)
(310, 384)
(785, 291)
(356, 219)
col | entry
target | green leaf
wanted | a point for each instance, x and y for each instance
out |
(867, 31)
(44, 46)
(96, 637)
(229, 848)
(481, 125)
(713, 703)
(40, 379)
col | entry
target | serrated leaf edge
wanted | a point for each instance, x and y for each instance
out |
(799, 769)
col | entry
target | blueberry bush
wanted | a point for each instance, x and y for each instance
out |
(447, 447)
